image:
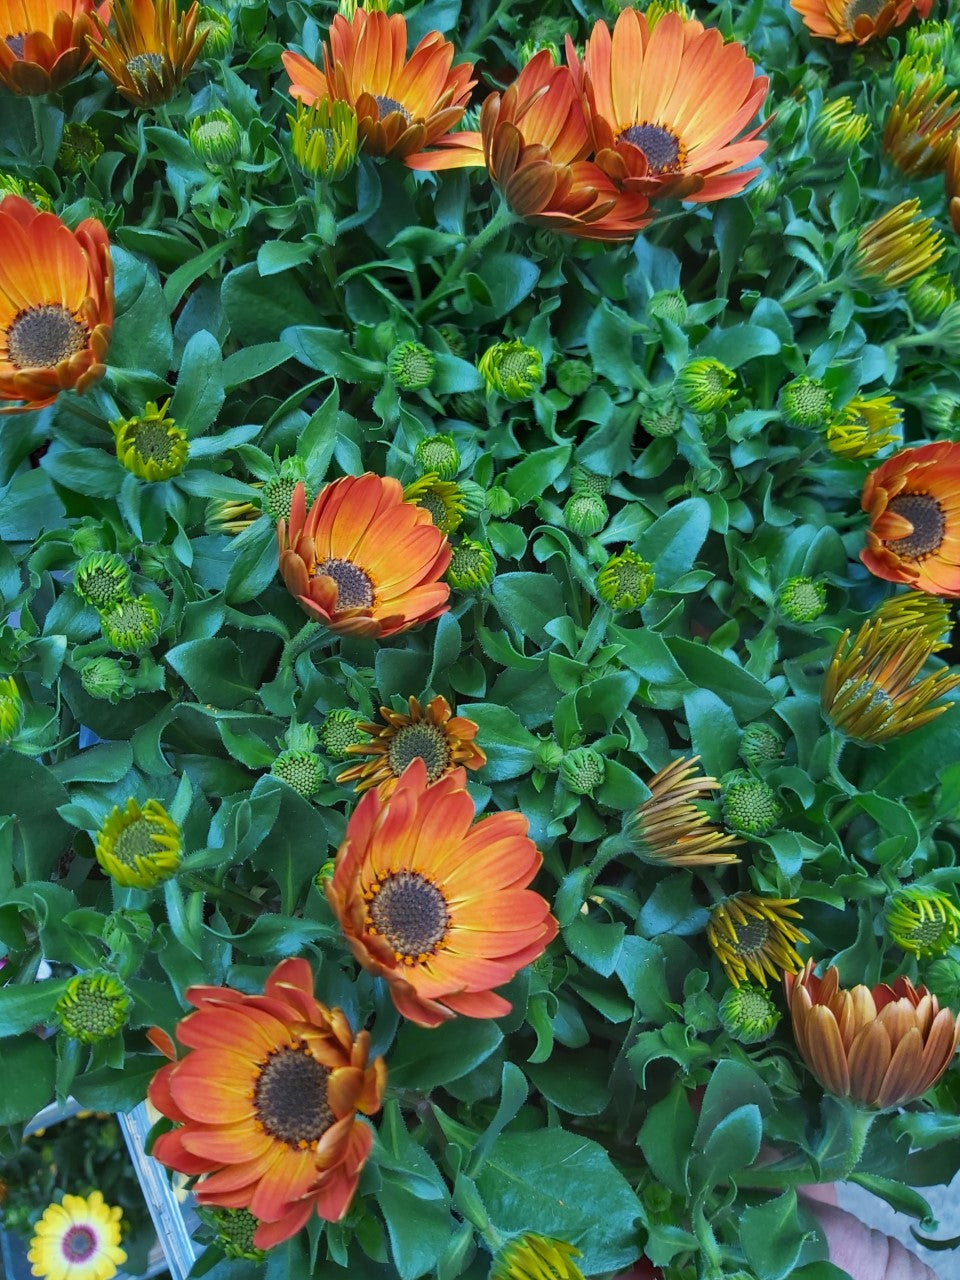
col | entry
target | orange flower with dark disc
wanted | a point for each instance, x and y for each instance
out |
(266, 1100)
(436, 904)
(56, 305)
(43, 43)
(533, 139)
(432, 734)
(151, 50)
(402, 104)
(664, 106)
(363, 561)
(913, 500)
(857, 21)
(881, 1046)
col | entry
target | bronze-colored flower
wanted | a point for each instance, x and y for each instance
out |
(921, 128)
(895, 247)
(43, 43)
(880, 1047)
(151, 50)
(670, 829)
(752, 932)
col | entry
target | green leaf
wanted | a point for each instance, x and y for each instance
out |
(732, 1145)
(424, 1058)
(537, 472)
(666, 1138)
(32, 795)
(528, 601)
(142, 337)
(328, 350)
(641, 967)
(748, 697)
(179, 281)
(253, 362)
(29, 1069)
(509, 279)
(199, 394)
(510, 747)
(772, 1237)
(211, 668)
(901, 1197)
(26, 1006)
(714, 732)
(740, 343)
(574, 1081)
(419, 1229)
(672, 543)
(731, 1086)
(280, 255)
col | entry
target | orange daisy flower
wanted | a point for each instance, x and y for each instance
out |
(151, 51)
(364, 562)
(432, 734)
(438, 907)
(857, 21)
(56, 304)
(266, 1102)
(402, 104)
(43, 42)
(882, 1047)
(664, 104)
(913, 500)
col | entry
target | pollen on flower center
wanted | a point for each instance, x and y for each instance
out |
(153, 442)
(664, 151)
(751, 937)
(136, 841)
(428, 741)
(354, 588)
(410, 912)
(16, 43)
(387, 106)
(929, 524)
(863, 9)
(78, 1244)
(290, 1097)
(143, 63)
(40, 337)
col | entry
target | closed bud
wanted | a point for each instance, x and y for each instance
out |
(942, 411)
(106, 679)
(582, 770)
(802, 600)
(574, 377)
(929, 296)
(705, 385)
(151, 445)
(748, 1013)
(838, 130)
(474, 498)
(585, 513)
(11, 710)
(438, 454)
(412, 366)
(625, 581)
(300, 770)
(219, 41)
(93, 1007)
(235, 1230)
(278, 490)
(469, 405)
(760, 744)
(453, 340)
(806, 402)
(662, 417)
(500, 503)
(750, 806)
(472, 566)
(102, 579)
(80, 147)
(584, 481)
(324, 139)
(512, 369)
(216, 138)
(669, 304)
(131, 625)
(548, 755)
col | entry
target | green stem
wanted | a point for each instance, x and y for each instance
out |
(490, 25)
(861, 1123)
(596, 633)
(499, 222)
(709, 1249)
(811, 294)
(309, 635)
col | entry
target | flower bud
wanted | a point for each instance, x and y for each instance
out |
(838, 130)
(151, 445)
(500, 503)
(339, 731)
(139, 846)
(943, 414)
(469, 405)
(663, 417)
(219, 41)
(102, 579)
(278, 490)
(412, 366)
(922, 921)
(582, 770)
(669, 304)
(105, 678)
(512, 369)
(323, 139)
(585, 513)
(625, 581)
(806, 402)
(80, 147)
(760, 744)
(454, 340)
(750, 805)
(474, 498)
(11, 710)
(11, 185)
(93, 1007)
(131, 625)
(748, 1014)
(705, 385)
(216, 138)
(235, 1230)
(301, 770)
(584, 481)
(574, 377)
(438, 454)
(929, 296)
(802, 600)
(442, 498)
(549, 755)
(472, 566)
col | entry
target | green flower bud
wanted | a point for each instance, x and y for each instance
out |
(474, 498)
(662, 417)
(548, 755)
(139, 846)
(93, 1007)
(943, 413)
(11, 185)
(922, 921)
(278, 490)
(512, 369)
(438, 454)
(806, 402)
(625, 581)
(657, 1199)
(933, 40)
(710, 479)
(760, 744)
(669, 304)
(219, 41)
(529, 48)
(151, 445)
(748, 1013)
(324, 139)
(584, 481)
(105, 678)
(750, 805)
(582, 770)
(235, 1230)
(442, 498)
(942, 977)
(470, 406)
(412, 366)
(11, 710)
(838, 130)
(802, 600)
(500, 503)
(325, 873)
(585, 513)
(301, 737)
(216, 138)
(131, 625)
(705, 385)
(80, 148)
(102, 579)
(472, 566)
(339, 731)
(929, 296)
(454, 340)
(574, 377)
(301, 770)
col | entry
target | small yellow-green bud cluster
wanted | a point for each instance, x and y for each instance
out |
(499, 502)
(131, 625)
(838, 130)
(324, 139)
(512, 369)
(11, 710)
(412, 366)
(151, 445)
(339, 731)
(802, 599)
(669, 304)
(278, 491)
(80, 147)
(301, 770)
(584, 481)
(585, 513)
(625, 581)
(806, 402)
(105, 678)
(219, 31)
(760, 744)
(574, 377)
(93, 1007)
(102, 579)
(929, 296)
(706, 385)
(235, 1230)
(472, 566)
(582, 770)
(922, 921)
(11, 185)
(662, 417)
(750, 805)
(216, 138)
(748, 1013)
(438, 454)
(140, 845)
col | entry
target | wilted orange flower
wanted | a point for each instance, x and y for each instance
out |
(664, 106)
(56, 304)
(438, 907)
(881, 1047)
(432, 734)
(913, 500)
(364, 562)
(151, 51)
(857, 21)
(43, 42)
(266, 1102)
(402, 104)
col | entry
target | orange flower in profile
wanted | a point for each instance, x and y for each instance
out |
(151, 51)
(402, 104)
(857, 21)
(664, 106)
(56, 305)
(43, 43)
(881, 1047)
(438, 907)
(432, 734)
(266, 1102)
(364, 562)
(913, 500)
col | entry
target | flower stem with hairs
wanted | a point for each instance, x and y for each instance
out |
(502, 219)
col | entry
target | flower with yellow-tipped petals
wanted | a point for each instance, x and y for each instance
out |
(922, 921)
(921, 128)
(151, 445)
(324, 138)
(93, 1007)
(838, 129)
(43, 43)
(77, 1239)
(149, 53)
(857, 21)
(670, 829)
(432, 734)
(750, 932)
(880, 1047)
(864, 426)
(140, 845)
(532, 1257)
(442, 498)
(913, 611)
(896, 247)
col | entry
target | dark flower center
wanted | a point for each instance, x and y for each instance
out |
(661, 146)
(752, 937)
(864, 9)
(929, 525)
(388, 105)
(15, 44)
(410, 912)
(290, 1097)
(354, 588)
(426, 741)
(144, 63)
(78, 1244)
(40, 337)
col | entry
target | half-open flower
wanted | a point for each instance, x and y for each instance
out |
(151, 50)
(43, 43)
(664, 106)
(56, 305)
(438, 905)
(363, 561)
(857, 21)
(913, 500)
(881, 1047)
(266, 1102)
(403, 104)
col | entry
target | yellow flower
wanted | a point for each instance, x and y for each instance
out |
(752, 932)
(896, 247)
(533, 1257)
(139, 846)
(866, 425)
(442, 498)
(78, 1239)
(151, 445)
